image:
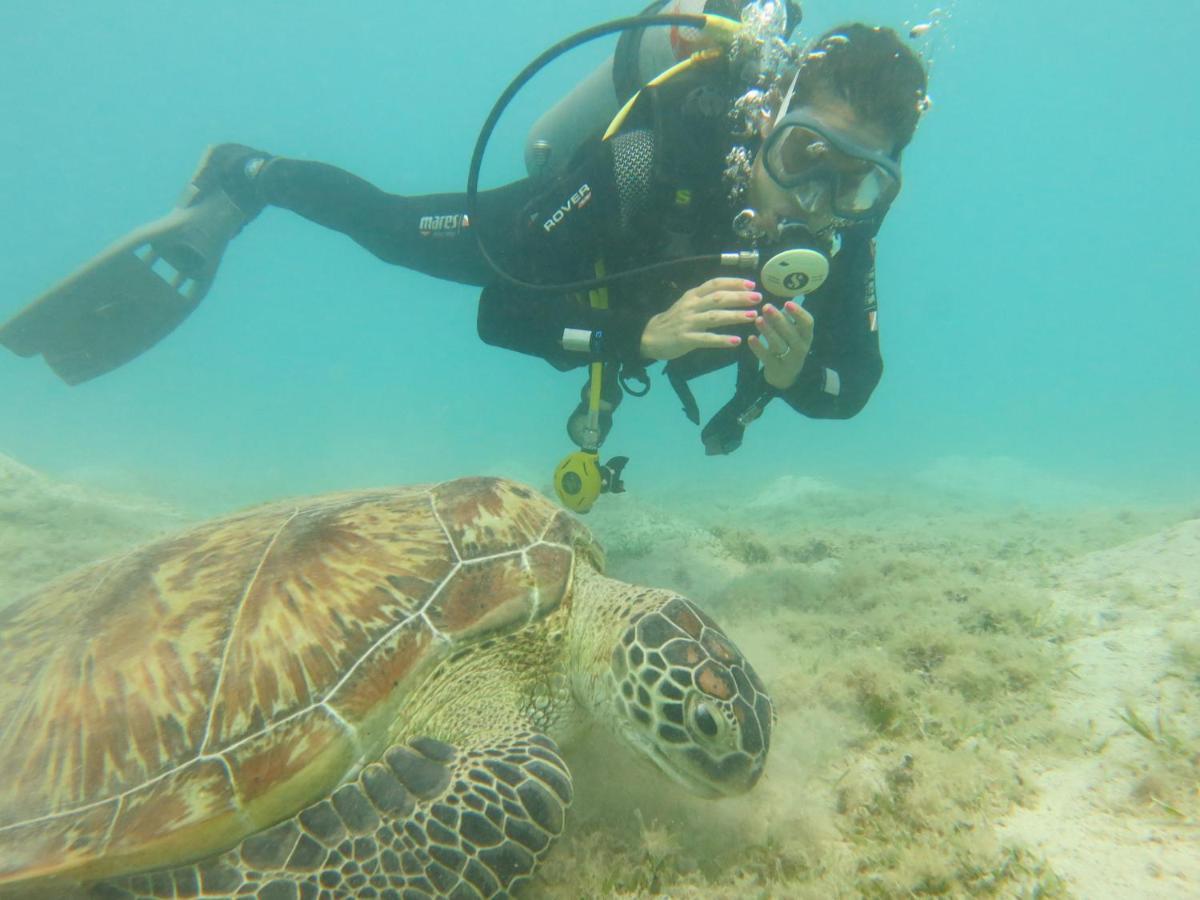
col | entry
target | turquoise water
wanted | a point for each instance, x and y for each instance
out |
(1036, 278)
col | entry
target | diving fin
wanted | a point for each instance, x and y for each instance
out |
(134, 293)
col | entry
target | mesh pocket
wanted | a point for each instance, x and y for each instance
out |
(633, 161)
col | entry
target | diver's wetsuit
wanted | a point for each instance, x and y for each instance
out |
(627, 202)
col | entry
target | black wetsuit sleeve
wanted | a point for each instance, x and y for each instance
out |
(427, 233)
(541, 232)
(558, 237)
(844, 364)
(534, 323)
(556, 232)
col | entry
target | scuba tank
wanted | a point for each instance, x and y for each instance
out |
(584, 112)
(641, 55)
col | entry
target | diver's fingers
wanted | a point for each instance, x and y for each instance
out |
(706, 339)
(759, 349)
(794, 323)
(714, 285)
(775, 339)
(729, 299)
(720, 318)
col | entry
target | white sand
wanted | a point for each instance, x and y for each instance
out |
(1133, 597)
(1097, 817)
(49, 527)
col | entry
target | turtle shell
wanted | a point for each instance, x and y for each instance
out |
(159, 707)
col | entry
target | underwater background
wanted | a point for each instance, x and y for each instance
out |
(1036, 279)
(977, 603)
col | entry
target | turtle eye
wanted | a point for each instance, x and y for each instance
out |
(705, 721)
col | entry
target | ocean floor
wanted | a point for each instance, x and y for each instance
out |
(987, 680)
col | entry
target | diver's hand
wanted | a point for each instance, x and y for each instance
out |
(789, 337)
(690, 322)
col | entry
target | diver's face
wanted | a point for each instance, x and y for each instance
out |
(774, 203)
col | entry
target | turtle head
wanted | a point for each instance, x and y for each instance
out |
(688, 699)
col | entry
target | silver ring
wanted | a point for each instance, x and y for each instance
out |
(784, 354)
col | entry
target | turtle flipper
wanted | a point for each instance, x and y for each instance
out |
(428, 820)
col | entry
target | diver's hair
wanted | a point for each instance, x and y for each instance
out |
(873, 71)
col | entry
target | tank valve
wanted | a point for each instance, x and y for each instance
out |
(539, 157)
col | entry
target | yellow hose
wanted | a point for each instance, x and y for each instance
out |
(699, 57)
(599, 300)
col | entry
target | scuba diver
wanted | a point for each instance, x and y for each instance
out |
(679, 203)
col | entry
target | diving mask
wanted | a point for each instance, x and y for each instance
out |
(810, 160)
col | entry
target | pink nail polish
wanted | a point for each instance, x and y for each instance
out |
(734, 341)
(756, 296)
(749, 285)
(751, 314)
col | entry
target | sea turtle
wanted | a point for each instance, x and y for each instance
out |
(354, 695)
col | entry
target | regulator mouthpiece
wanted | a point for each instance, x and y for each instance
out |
(792, 273)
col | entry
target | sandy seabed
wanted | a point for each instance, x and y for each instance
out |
(988, 684)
